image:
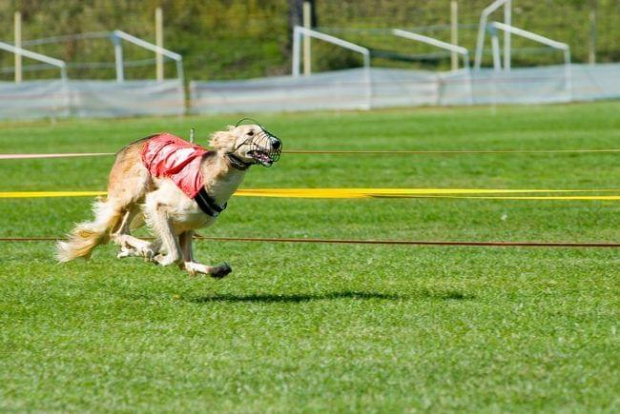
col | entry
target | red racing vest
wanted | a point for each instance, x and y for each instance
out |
(168, 156)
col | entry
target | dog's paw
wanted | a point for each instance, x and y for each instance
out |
(194, 269)
(216, 272)
(220, 271)
(163, 260)
(125, 252)
(148, 254)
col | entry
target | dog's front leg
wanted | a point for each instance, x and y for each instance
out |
(157, 217)
(186, 241)
(218, 272)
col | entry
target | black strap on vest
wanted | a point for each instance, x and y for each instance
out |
(207, 203)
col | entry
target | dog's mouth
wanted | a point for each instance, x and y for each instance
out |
(261, 157)
(262, 146)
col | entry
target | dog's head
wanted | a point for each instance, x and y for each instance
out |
(251, 144)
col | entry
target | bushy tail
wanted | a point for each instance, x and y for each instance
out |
(86, 236)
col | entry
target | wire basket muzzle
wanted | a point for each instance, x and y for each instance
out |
(268, 144)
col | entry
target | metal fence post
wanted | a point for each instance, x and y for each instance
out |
(497, 60)
(482, 28)
(507, 36)
(307, 19)
(159, 41)
(295, 63)
(592, 42)
(454, 38)
(18, 44)
(118, 58)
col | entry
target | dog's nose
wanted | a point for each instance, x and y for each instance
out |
(276, 143)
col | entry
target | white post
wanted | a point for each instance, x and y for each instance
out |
(592, 42)
(454, 39)
(118, 59)
(296, 36)
(18, 44)
(507, 38)
(368, 79)
(497, 61)
(307, 25)
(568, 73)
(159, 41)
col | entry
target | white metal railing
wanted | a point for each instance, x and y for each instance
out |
(37, 56)
(533, 36)
(434, 42)
(443, 45)
(119, 35)
(482, 28)
(565, 48)
(299, 31)
(302, 31)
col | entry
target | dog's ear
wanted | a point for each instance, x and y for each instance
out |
(223, 140)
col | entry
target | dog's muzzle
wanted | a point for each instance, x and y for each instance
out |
(265, 148)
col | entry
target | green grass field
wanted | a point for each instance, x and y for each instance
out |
(328, 328)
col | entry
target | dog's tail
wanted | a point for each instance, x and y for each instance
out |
(88, 235)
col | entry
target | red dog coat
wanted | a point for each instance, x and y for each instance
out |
(166, 155)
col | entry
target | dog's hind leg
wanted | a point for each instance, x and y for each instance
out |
(134, 247)
(218, 272)
(125, 224)
(127, 184)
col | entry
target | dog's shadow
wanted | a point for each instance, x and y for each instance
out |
(300, 298)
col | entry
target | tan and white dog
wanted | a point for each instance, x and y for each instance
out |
(151, 182)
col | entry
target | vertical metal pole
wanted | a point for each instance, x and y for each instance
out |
(159, 41)
(296, 38)
(507, 35)
(568, 74)
(592, 42)
(118, 58)
(480, 42)
(482, 28)
(497, 59)
(18, 44)
(368, 79)
(470, 78)
(454, 39)
(307, 25)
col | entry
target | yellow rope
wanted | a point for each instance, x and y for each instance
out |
(353, 193)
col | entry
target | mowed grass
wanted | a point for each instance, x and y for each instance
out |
(328, 328)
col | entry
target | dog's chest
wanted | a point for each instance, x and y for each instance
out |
(189, 216)
(222, 188)
(186, 215)
(183, 212)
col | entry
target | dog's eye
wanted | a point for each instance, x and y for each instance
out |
(250, 133)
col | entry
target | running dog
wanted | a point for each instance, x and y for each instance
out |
(174, 187)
